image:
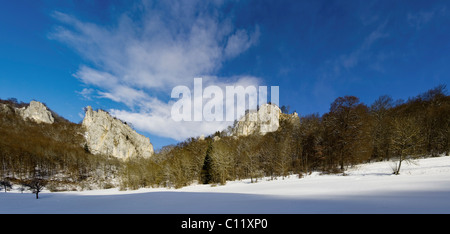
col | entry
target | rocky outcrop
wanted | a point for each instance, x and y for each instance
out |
(108, 135)
(6, 109)
(266, 119)
(293, 119)
(37, 112)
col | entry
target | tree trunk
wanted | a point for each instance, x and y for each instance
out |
(397, 171)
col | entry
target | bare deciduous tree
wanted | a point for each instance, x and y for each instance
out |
(6, 184)
(36, 185)
(406, 139)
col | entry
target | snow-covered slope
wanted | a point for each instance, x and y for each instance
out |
(422, 187)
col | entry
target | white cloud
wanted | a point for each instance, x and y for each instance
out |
(155, 117)
(151, 48)
(164, 126)
(419, 19)
(241, 41)
(86, 93)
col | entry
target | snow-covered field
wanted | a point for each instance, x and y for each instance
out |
(422, 187)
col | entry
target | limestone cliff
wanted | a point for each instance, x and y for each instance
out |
(266, 119)
(108, 135)
(35, 111)
(38, 112)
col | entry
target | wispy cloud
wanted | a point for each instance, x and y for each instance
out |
(365, 54)
(151, 48)
(419, 19)
(86, 93)
(361, 53)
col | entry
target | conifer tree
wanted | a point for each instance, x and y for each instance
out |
(206, 173)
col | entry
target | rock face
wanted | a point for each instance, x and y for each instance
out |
(108, 135)
(5, 109)
(266, 119)
(37, 112)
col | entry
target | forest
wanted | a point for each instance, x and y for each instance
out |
(55, 153)
(350, 133)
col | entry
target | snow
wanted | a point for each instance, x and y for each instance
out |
(421, 187)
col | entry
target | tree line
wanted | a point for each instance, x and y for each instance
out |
(350, 133)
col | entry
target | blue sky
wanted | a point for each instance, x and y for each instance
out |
(126, 56)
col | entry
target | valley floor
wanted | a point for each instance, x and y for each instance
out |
(422, 187)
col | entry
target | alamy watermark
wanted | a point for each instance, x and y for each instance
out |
(211, 104)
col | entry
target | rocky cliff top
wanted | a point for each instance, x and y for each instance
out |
(103, 133)
(108, 135)
(266, 119)
(38, 112)
(35, 111)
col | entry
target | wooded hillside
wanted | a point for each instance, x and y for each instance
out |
(350, 133)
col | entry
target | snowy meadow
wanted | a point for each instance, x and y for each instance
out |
(422, 187)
